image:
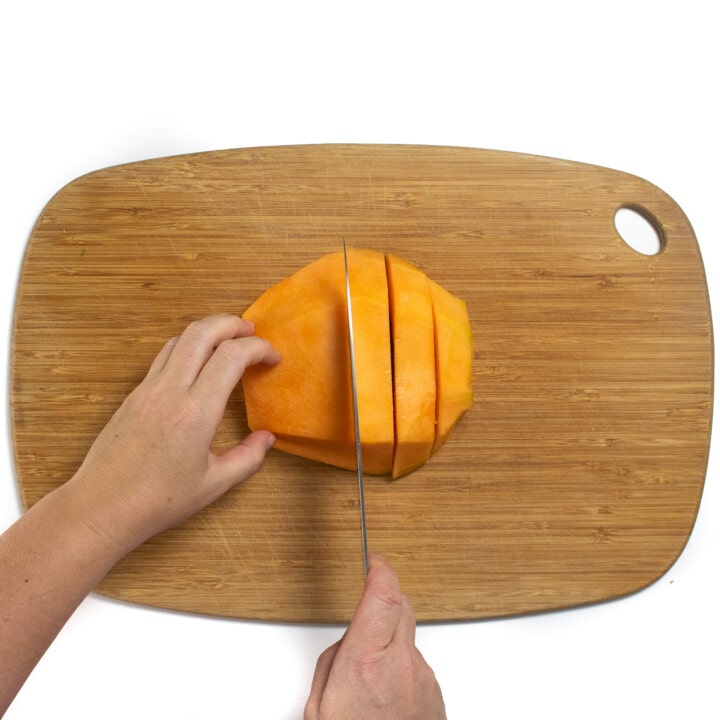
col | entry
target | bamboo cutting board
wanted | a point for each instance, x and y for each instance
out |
(575, 477)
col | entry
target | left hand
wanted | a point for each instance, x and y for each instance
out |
(152, 465)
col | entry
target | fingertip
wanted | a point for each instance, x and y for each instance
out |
(258, 443)
(243, 327)
(380, 609)
(380, 568)
(244, 460)
(248, 327)
(266, 353)
(382, 581)
(268, 356)
(273, 357)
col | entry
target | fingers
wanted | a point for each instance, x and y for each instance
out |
(188, 355)
(380, 613)
(200, 369)
(226, 366)
(320, 680)
(239, 463)
(211, 356)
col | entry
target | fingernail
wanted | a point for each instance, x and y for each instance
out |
(270, 440)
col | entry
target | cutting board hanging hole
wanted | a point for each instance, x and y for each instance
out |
(639, 229)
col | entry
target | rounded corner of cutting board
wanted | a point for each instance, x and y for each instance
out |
(575, 477)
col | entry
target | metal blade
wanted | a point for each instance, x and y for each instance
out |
(356, 415)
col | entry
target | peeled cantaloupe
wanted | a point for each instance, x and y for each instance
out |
(413, 361)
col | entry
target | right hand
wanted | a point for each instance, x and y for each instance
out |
(375, 672)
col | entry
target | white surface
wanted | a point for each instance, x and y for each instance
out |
(629, 85)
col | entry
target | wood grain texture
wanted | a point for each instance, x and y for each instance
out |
(575, 477)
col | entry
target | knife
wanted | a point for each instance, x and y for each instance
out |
(356, 415)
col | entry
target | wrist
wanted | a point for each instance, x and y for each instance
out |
(97, 522)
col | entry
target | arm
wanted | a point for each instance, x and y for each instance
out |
(150, 468)
(375, 671)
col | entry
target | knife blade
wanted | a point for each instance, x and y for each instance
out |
(356, 413)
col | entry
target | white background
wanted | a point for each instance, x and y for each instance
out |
(629, 85)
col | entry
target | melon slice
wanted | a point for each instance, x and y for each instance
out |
(306, 400)
(413, 343)
(453, 360)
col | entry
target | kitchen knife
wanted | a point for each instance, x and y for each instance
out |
(356, 415)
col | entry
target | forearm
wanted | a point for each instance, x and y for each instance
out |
(50, 559)
(151, 467)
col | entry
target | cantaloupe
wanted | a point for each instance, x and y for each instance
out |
(453, 360)
(414, 387)
(413, 361)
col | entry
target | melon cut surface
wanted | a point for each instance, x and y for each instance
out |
(413, 343)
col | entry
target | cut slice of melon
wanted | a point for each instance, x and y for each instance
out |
(413, 352)
(373, 357)
(453, 360)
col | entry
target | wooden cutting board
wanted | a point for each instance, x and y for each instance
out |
(576, 476)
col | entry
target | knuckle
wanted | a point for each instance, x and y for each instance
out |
(423, 669)
(232, 351)
(196, 329)
(325, 656)
(244, 351)
(188, 412)
(369, 669)
(255, 461)
(389, 596)
(146, 400)
(406, 664)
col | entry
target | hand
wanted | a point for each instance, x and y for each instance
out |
(152, 466)
(375, 671)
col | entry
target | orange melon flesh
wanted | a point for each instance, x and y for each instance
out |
(413, 343)
(453, 358)
(306, 400)
(373, 358)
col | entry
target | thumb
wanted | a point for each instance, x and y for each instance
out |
(242, 461)
(379, 612)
